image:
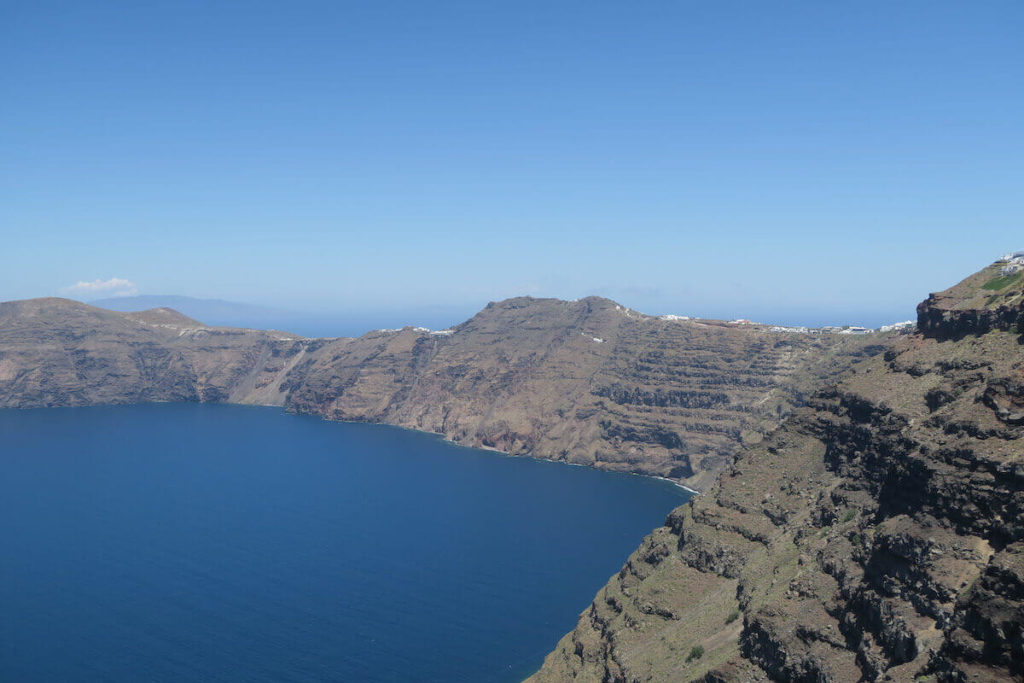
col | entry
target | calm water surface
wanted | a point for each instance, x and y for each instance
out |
(225, 543)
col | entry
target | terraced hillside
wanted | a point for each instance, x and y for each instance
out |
(588, 381)
(877, 535)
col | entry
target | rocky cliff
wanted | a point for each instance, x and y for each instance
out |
(991, 299)
(877, 535)
(56, 352)
(587, 381)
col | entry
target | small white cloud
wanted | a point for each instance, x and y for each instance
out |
(115, 286)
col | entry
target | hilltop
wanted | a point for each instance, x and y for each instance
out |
(216, 312)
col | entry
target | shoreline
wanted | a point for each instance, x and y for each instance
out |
(443, 437)
(492, 449)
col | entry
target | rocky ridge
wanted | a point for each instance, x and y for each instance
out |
(56, 352)
(878, 534)
(587, 381)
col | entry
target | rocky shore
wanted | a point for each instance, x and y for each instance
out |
(877, 535)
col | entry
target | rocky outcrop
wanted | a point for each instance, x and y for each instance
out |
(877, 535)
(587, 382)
(985, 301)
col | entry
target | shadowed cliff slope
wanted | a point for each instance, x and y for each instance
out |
(56, 352)
(877, 535)
(586, 381)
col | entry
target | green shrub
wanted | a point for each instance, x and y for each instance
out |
(696, 652)
(1002, 281)
(848, 515)
(856, 539)
(733, 617)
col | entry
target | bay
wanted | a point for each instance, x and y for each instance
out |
(185, 542)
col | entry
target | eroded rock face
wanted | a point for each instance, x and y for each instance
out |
(877, 535)
(985, 301)
(587, 382)
(55, 352)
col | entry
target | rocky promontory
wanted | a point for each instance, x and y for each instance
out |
(877, 535)
(991, 299)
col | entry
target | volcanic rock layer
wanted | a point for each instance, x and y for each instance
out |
(878, 534)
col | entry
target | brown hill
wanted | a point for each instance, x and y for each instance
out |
(164, 316)
(588, 381)
(56, 352)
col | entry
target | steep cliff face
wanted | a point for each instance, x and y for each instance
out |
(877, 535)
(987, 300)
(588, 381)
(55, 352)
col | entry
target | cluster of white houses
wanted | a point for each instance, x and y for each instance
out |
(1014, 263)
(904, 326)
(828, 329)
(846, 329)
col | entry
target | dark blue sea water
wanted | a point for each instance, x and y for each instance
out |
(224, 543)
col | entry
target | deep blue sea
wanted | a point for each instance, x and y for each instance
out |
(188, 542)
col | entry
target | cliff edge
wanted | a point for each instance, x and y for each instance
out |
(878, 534)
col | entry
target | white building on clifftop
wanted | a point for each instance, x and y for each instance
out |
(1014, 263)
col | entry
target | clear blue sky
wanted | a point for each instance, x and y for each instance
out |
(774, 160)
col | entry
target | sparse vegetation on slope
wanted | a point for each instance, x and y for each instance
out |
(877, 535)
(1002, 281)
